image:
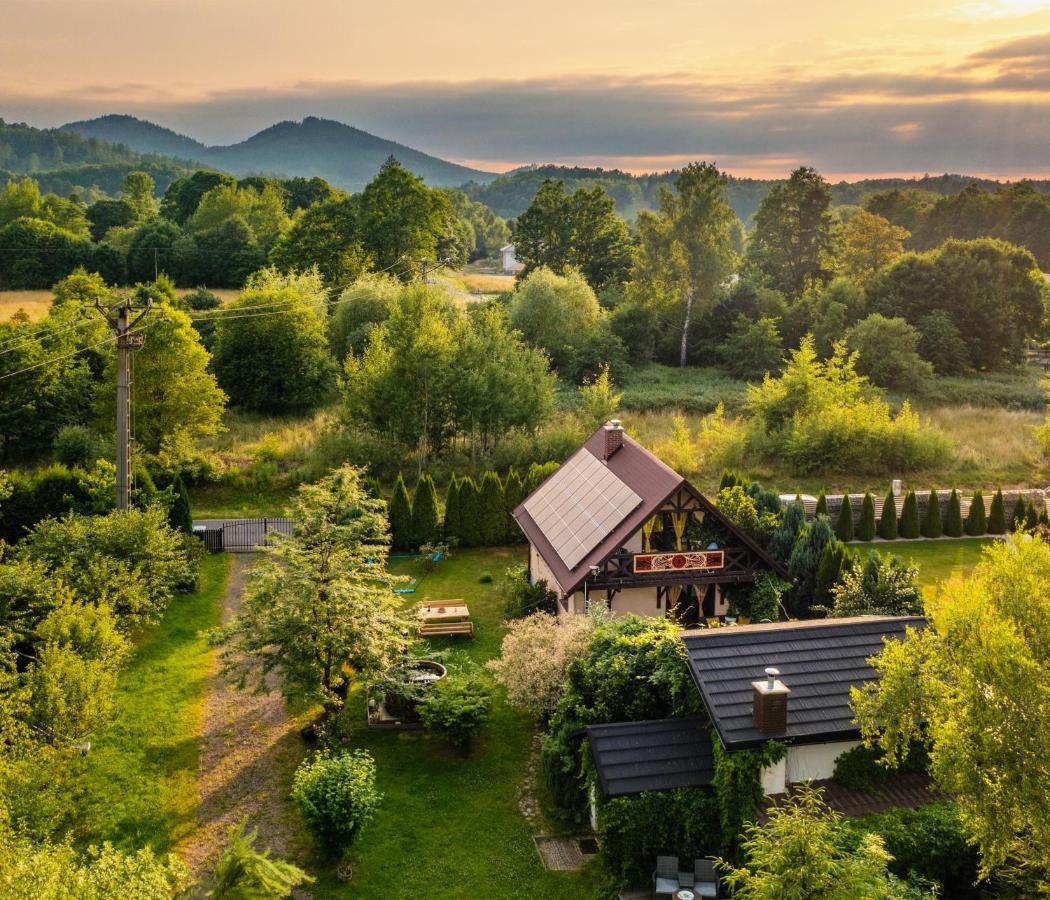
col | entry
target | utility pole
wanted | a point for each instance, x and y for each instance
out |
(120, 320)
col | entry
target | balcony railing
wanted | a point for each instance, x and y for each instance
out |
(726, 564)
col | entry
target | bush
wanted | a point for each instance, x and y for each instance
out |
(78, 445)
(763, 604)
(941, 343)
(456, 708)
(887, 352)
(997, 514)
(450, 522)
(180, 516)
(1017, 517)
(792, 521)
(558, 313)
(47, 493)
(881, 587)
(244, 872)
(976, 518)
(513, 494)
(821, 509)
(833, 561)
(844, 523)
(866, 525)
(523, 598)
(469, 513)
(752, 348)
(336, 795)
(953, 523)
(863, 769)
(909, 524)
(931, 521)
(888, 529)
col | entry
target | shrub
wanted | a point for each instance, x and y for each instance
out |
(909, 524)
(492, 526)
(451, 520)
(243, 872)
(1031, 517)
(456, 708)
(555, 312)
(523, 598)
(887, 352)
(864, 769)
(833, 561)
(180, 516)
(953, 523)
(792, 521)
(33, 497)
(424, 512)
(821, 509)
(866, 525)
(738, 507)
(77, 445)
(1017, 517)
(976, 518)
(469, 513)
(763, 603)
(844, 523)
(997, 514)
(336, 795)
(931, 521)
(881, 587)
(888, 528)
(400, 514)
(535, 656)
(752, 348)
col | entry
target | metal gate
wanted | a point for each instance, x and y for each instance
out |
(247, 535)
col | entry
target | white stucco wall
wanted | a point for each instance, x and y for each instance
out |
(773, 780)
(641, 601)
(813, 761)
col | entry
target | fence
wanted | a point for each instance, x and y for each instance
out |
(243, 535)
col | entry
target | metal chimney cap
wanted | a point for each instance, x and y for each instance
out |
(771, 677)
(615, 423)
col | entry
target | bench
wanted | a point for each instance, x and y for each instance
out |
(445, 629)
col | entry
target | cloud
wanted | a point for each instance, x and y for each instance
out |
(989, 116)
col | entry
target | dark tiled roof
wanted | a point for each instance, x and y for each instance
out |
(819, 661)
(631, 757)
(906, 790)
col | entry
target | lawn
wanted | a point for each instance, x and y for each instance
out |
(937, 561)
(450, 826)
(139, 782)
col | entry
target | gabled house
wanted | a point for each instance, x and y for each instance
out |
(615, 523)
(785, 681)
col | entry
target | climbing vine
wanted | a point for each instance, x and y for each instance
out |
(737, 784)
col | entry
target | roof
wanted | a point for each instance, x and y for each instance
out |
(819, 661)
(901, 790)
(657, 755)
(632, 465)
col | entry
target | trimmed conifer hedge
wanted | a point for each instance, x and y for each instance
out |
(492, 527)
(997, 514)
(953, 522)
(513, 494)
(931, 521)
(469, 513)
(866, 526)
(888, 526)
(977, 517)
(400, 514)
(822, 506)
(424, 512)
(450, 522)
(909, 524)
(844, 524)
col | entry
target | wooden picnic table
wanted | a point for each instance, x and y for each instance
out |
(445, 611)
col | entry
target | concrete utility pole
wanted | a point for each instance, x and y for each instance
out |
(119, 319)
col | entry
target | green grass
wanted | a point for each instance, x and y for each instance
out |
(936, 561)
(228, 501)
(692, 389)
(449, 825)
(139, 782)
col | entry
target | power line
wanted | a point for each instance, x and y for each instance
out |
(58, 358)
(25, 338)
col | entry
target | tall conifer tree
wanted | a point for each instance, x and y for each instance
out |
(469, 513)
(931, 521)
(888, 529)
(844, 524)
(909, 524)
(451, 521)
(424, 512)
(493, 525)
(953, 522)
(866, 525)
(513, 494)
(400, 513)
(997, 514)
(976, 518)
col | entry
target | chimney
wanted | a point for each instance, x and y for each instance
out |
(613, 437)
(770, 703)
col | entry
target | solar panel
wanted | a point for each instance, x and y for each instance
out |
(579, 505)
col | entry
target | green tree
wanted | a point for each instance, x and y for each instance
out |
(804, 562)
(976, 518)
(997, 514)
(424, 512)
(154, 248)
(971, 686)
(887, 352)
(456, 708)
(556, 313)
(451, 522)
(931, 520)
(685, 250)
(1017, 517)
(180, 517)
(883, 586)
(513, 494)
(833, 563)
(469, 513)
(326, 236)
(360, 308)
(492, 525)
(106, 214)
(821, 509)
(599, 401)
(844, 522)
(792, 522)
(400, 514)
(803, 852)
(953, 522)
(320, 605)
(753, 347)
(137, 192)
(183, 195)
(39, 253)
(336, 795)
(865, 244)
(887, 521)
(792, 235)
(243, 872)
(909, 523)
(866, 525)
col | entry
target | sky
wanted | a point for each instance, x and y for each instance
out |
(856, 89)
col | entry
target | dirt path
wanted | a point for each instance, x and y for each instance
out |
(249, 750)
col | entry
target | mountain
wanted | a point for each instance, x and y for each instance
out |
(341, 154)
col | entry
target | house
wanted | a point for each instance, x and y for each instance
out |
(508, 261)
(615, 523)
(784, 681)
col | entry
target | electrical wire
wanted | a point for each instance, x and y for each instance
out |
(24, 338)
(59, 358)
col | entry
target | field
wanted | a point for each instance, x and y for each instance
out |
(35, 304)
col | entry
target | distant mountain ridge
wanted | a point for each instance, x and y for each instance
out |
(345, 156)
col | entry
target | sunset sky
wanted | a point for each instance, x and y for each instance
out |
(854, 89)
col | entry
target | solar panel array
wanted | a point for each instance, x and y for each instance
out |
(579, 505)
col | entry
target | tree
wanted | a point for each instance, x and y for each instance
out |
(244, 872)
(792, 235)
(320, 605)
(137, 192)
(336, 795)
(752, 348)
(821, 509)
(154, 248)
(803, 852)
(865, 244)
(844, 523)
(223, 255)
(106, 214)
(39, 253)
(183, 195)
(976, 519)
(274, 362)
(883, 586)
(400, 514)
(535, 657)
(262, 210)
(599, 401)
(326, 236)
(803, 564)
(834, 561)
(1017, 517)
(555, 312)
(866, 525)
(180, 517)
(792, 522)
(887, 352)
(997, 514)
(456, 708)
(469, 513)
(971, 686)
(941, 343)
(360, 308)
(451, 524)
(513, 494)
(931, 520)
(492, 524)
(909, 523)
(177, 400)
(953, 522)
(887, 521)
(686, 250)
(424, 512)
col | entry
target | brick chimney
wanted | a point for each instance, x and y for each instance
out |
(613, 437)
(770, 703)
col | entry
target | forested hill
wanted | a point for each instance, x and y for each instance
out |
(63, 162)
(510, 194)
(345, 156)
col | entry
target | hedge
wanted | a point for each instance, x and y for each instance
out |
(909, 524)
(953, 522)
(888, 519)
(844, 524)
(931, 521)
(976, 518)
(866, 526)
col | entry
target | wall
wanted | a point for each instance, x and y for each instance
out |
(815, 761)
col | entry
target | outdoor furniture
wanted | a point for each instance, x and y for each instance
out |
(445, 617)
(705, 878)
(665, 878)
(445, 629)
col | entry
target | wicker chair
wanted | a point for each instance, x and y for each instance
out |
(705, 878)
(665, 878)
